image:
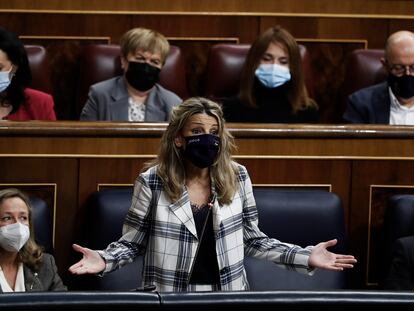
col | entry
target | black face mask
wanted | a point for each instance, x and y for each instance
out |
(142, 76)
(202, 150)
(401, 86)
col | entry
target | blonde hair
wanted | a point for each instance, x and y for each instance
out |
(30, 254)
(170, 162)
(146, 40)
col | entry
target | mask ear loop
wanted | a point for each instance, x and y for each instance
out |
(12, 71)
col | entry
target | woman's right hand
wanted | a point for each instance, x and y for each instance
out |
(91, 261)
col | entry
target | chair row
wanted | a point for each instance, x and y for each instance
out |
(303, 217)
(99, 62)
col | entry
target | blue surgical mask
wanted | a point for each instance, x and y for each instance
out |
(5, 79)
(272, 75)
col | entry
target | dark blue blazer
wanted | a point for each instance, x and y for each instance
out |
(369, 105)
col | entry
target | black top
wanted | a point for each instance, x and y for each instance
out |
(273, 107)
(205, 269)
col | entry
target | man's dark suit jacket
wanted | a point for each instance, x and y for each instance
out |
(370, 105)
(401, 273)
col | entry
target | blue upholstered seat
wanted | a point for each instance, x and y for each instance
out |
(398, 222)
(104, 219)
(42, 224)
(302, 217)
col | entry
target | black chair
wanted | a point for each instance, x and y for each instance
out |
(398, 222)
(302, 217)
(42, 224)
(106, 211)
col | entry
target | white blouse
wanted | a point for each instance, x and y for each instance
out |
(136, 110)
(399, 114)
(18, 286)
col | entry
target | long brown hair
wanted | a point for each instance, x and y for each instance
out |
(170, 163)
(297, 93)
(30, 254)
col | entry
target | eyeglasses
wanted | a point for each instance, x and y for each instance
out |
(398, 69)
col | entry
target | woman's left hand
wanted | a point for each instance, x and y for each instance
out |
(320, 257)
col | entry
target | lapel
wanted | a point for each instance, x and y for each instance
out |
(31, 280)
(119, 104)
(182, 209)
(215, 209)
(382, 104)
(154, 110)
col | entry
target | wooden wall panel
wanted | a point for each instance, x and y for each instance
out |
(374, 31)
(243, 27)
(398, 24)
(399, 7)
(95, 172)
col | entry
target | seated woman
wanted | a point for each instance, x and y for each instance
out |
(23, 265)
(136, 95)
(17, 100)
(272, 87)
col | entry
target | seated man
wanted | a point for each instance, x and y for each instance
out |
(136, 95)
(390, 102)
(401, 273)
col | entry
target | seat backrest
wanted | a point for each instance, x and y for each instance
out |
(99, 62)
(398, 222)
(105, 214)
(42, 224)
(363, 68)
(225, 64)
(302, 217)
(39, 66)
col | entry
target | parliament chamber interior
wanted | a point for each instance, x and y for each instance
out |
(312, 182)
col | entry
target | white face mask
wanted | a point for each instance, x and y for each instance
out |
(14, 236)
(5, 79)
(272, 75)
